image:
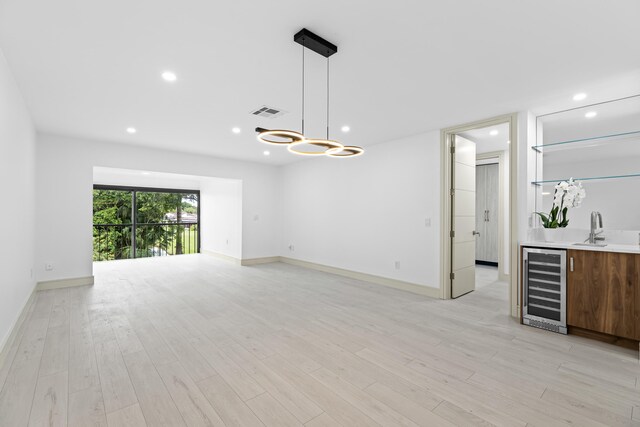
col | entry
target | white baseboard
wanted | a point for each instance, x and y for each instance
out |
(256, 261)
(385, 281)
(224, 257)
(64, 283)
(5, 346)
(245, 261)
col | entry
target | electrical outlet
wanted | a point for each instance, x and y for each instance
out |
(48, 266)
(427, 222)
(292, 248)
(397, 265)
(227, 242)
(256, 217)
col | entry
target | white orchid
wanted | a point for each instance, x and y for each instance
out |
(568, 194)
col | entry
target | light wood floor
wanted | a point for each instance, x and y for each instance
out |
(195, 341)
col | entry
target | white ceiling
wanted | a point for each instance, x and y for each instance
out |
(92, 68)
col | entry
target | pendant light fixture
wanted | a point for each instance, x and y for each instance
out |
(295, 141)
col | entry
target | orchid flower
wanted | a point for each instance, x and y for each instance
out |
(568, 194)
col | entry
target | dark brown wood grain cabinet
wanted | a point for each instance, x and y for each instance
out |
(637, 309)
(603, 292)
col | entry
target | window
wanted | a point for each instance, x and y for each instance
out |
(131, 222)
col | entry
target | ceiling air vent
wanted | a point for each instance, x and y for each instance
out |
(268, 112)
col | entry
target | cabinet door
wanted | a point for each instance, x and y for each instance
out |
(492, 184)
(481, 203)
(601, 292)
(637, 301)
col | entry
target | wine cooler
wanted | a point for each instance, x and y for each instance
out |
(545, 289)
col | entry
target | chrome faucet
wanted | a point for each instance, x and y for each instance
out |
(596, 224)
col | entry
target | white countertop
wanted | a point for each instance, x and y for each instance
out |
(611, 247)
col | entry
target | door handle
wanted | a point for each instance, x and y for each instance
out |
(487, 214)
(476, 233)
(571, 264)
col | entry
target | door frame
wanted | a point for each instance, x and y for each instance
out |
(499, 156)
(445, 203)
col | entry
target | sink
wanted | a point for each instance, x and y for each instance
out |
(598, 245)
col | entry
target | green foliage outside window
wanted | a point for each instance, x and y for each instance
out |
(160, 228)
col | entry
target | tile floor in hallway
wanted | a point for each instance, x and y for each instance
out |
(194, 341)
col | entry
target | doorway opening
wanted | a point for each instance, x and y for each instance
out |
(478, 208)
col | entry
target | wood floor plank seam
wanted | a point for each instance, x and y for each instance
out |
(160, 377)
(5, 365)
(39, 364)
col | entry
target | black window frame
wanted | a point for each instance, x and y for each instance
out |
(134, 214)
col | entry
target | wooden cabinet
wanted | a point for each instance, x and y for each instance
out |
(603, 292)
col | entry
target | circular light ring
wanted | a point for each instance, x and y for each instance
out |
(330, 147)
(289, 136)
(348, 151)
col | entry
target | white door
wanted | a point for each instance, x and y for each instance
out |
(463, 208)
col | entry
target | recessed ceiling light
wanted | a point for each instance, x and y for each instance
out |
(169, 76)
(235, 130)
(591, 114)
(131, 130)
(345, 129)
(579, 96)
(266, 153)
(493, 132)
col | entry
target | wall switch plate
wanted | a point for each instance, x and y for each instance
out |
(48, 266)
(256, 217)
(427, 222)
(397, 265)
(292, 248)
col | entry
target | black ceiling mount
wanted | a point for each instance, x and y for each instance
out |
(314, 42)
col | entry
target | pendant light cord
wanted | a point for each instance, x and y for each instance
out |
(327, 98)
(303, 47)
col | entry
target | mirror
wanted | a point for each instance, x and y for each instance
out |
(599, 146)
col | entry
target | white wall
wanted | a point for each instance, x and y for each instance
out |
(17, 186)
(366, 213)
(64, 188)
(135, 178)
(220, 216)
(527, 172)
